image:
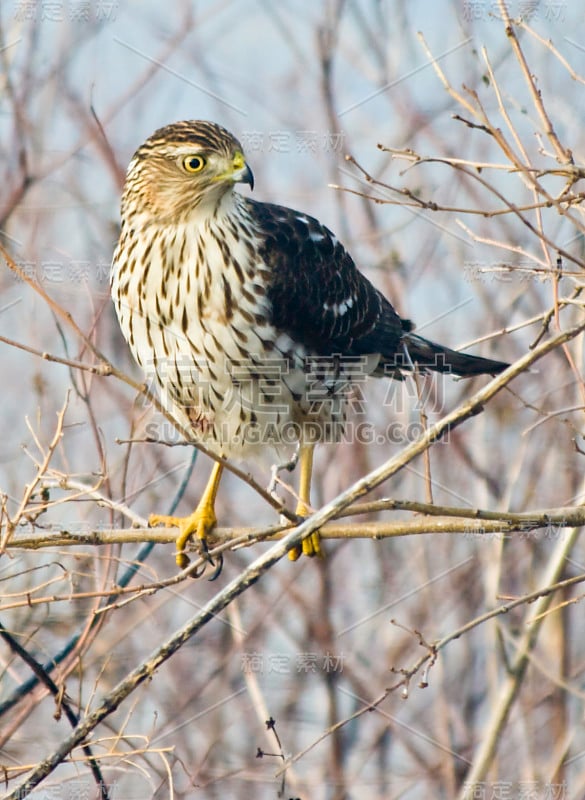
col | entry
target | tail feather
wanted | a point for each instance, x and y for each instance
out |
(428, 355)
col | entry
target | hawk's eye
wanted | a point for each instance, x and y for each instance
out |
(193, 164)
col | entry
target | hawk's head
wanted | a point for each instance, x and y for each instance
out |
(183, 167)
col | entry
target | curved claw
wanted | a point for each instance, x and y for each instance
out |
(218, 568)
(197, 526)
(198, 573)
(183, 560)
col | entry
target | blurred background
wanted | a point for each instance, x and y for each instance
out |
(302, 85)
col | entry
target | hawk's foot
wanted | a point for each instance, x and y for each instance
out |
(311, 544)
(198, 524)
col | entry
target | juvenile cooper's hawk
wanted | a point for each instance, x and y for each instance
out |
(247, 315)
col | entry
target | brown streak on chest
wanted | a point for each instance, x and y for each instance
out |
(237, 269)
(228, 299)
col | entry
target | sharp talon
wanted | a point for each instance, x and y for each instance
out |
(196, 526)
(197, 573)
(218, 568)
(204, 549)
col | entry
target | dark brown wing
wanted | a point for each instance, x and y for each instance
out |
(321, 300)
(318, 295)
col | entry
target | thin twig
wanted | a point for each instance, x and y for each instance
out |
(564, 156)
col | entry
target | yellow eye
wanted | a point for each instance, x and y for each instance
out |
(193, 164)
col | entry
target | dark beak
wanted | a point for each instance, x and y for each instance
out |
(247, 176)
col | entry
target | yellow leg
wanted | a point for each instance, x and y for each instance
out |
(311, 546)
(199, 523)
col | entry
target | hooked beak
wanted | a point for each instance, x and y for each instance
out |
(242, 172)
(247, 176)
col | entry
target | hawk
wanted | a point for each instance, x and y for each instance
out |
(249, 317)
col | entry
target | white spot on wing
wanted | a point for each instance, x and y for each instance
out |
(339, 309)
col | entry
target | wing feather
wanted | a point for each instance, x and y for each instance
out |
(317, 294)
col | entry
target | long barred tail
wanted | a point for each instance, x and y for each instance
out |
(428, 355)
